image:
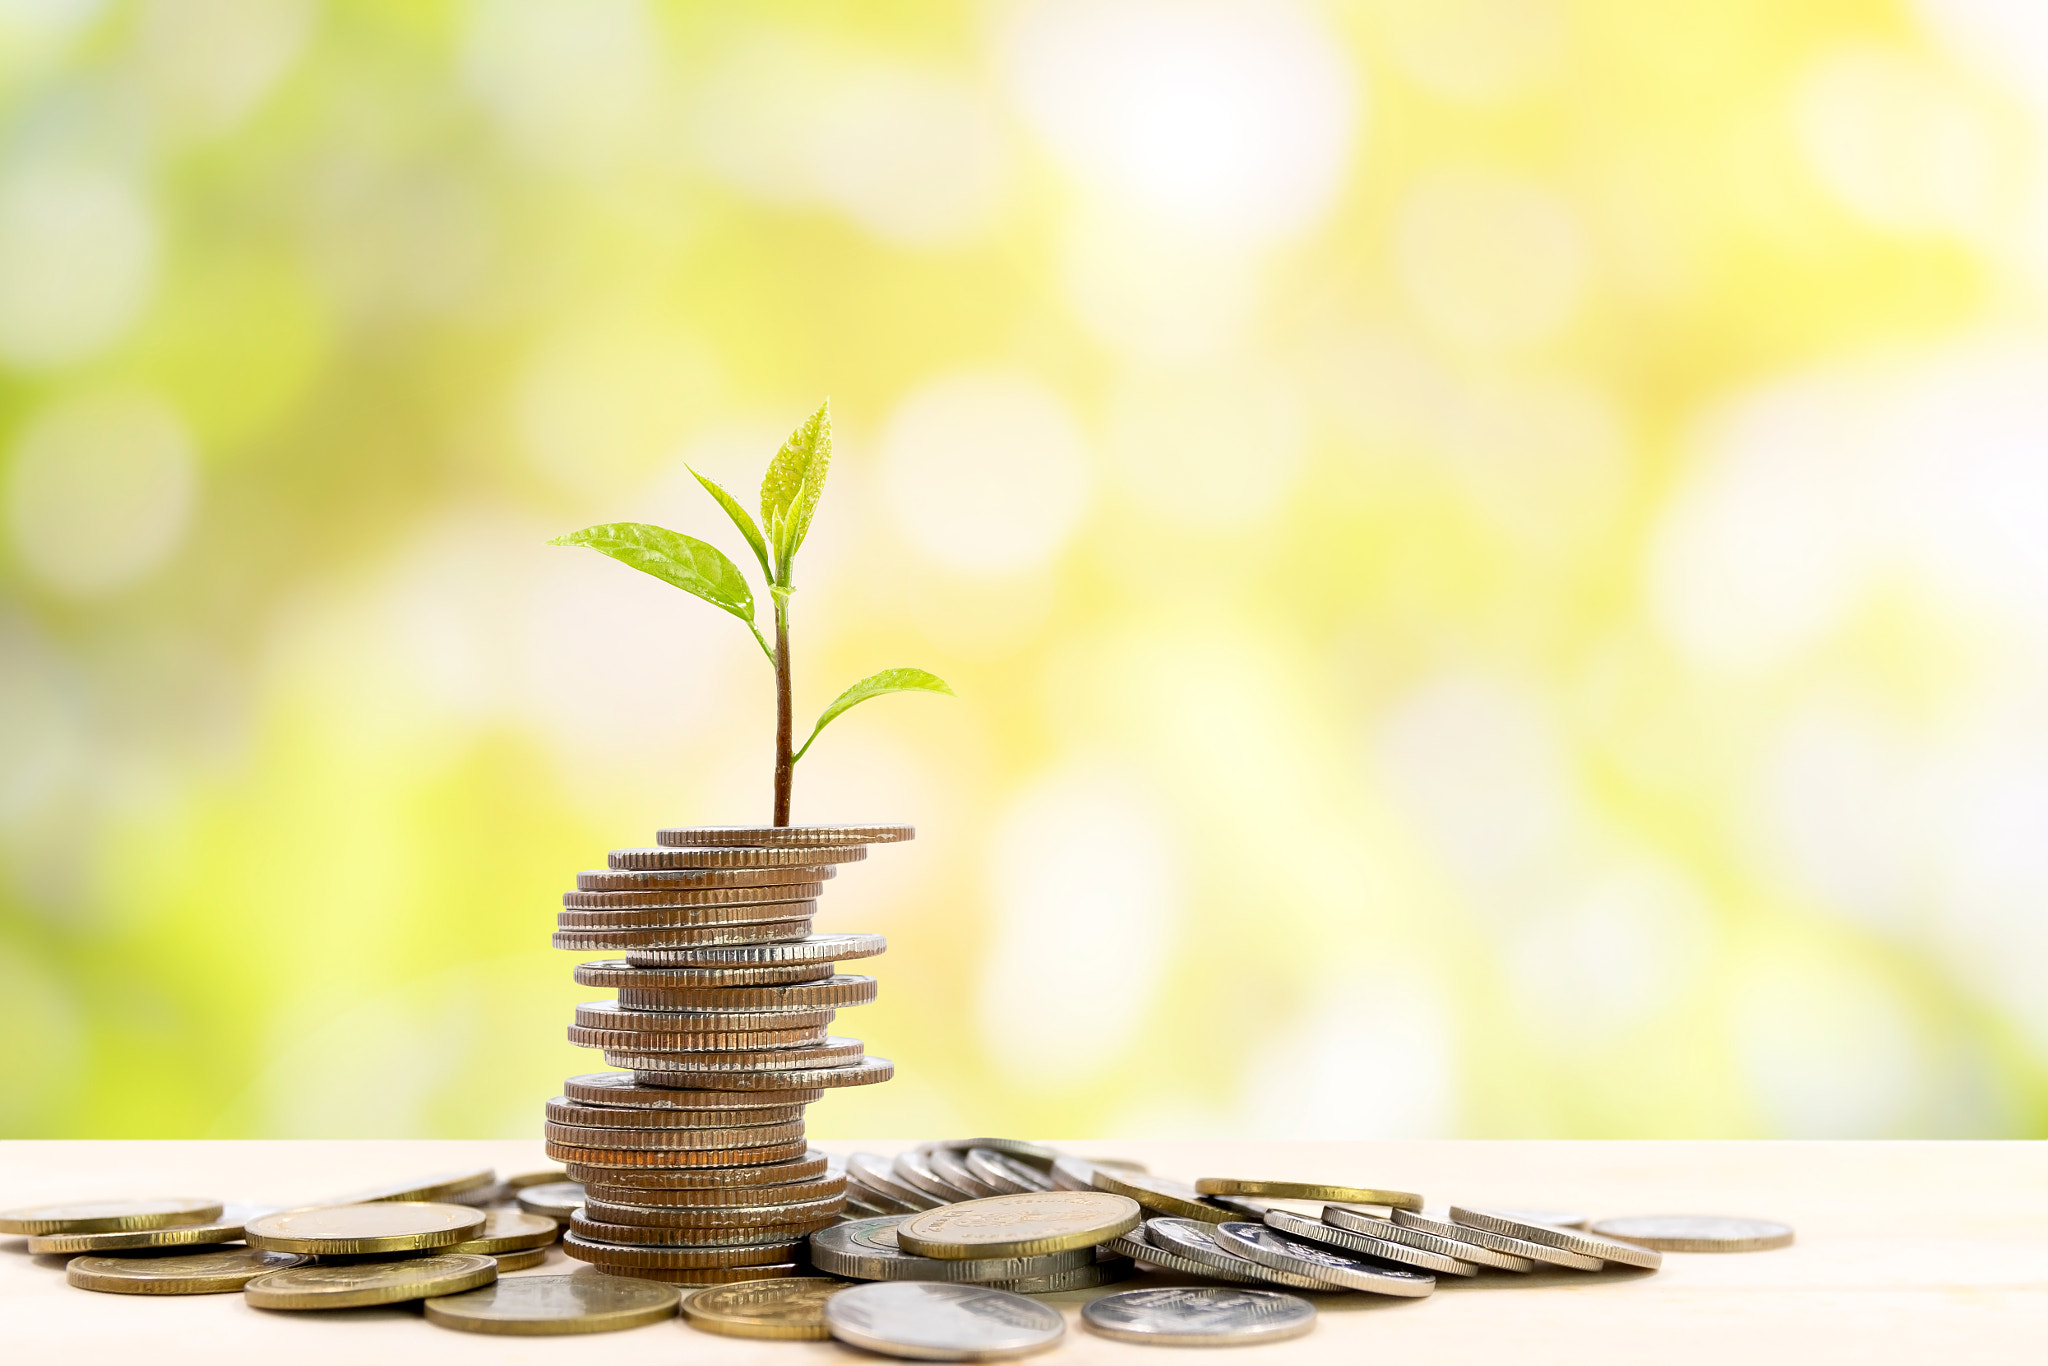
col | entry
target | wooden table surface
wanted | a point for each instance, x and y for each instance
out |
(1907, 1252)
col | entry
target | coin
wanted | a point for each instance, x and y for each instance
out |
(1308, 1190)
(833, 992)
(636, 1157)
(865, 1072)
(1157, 1193)
(681, 898)
(519, 1261)
(1386, 1230)
(611, 1015)
(439, 1186)
(819, 948)
(867, 1249)
(1571, 1240)
(107, 1216)
(1136, 1244)
(808, 1166)
(1199, 1316)
(878, 1174)
(1027, 1225)
(637, 1042)
(1555, 1218)
(557, 1200)
(561, 1110)
(706, 1275)
(951, 1167)
(1427, 1222)
(351, 1285)
(225, 1228)
(781, 836)
(753, 935)
(1005, 1173)
(735, 856)
(937, 1322)
(785, 1309)
(384, 1226)
(1101, 1271)
(536, 1306)
(682, 917)
(826, 1187)
(619, 1088)
(511, 1230)
(1244, 1207)
(593, 1230)
(1301, 1257)
(1685, 1233)
(835, 1049)
(1033, 1154)
(1195, 1240)
(1366, 1245)
(693, 879)
(722, 1217)
(677, 1258)
(194, 1273)
(617, 972)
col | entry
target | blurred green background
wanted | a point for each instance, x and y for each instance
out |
(1494, 553)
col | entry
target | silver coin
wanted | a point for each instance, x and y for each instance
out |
(1073, 1174)
(1101, 1271)
(951, 1167)
(1301, 1257)
(1195, 1240)
(1556, 1218)
(866, 1250)
(557, 1199)
(1357, 1220)
(1571, 1240)
(1200, 1316)
(819, 948)
(1005, 1173)
(931, 1322)
(1137, 1246)
(1033, 1154)
(1427, 1221)
(1366, 1245)
(1697, 1232)
(878, 1174)
(913, 1168)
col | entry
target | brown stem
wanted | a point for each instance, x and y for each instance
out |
(785, 768)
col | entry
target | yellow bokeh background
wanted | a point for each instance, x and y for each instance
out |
(1494, 553)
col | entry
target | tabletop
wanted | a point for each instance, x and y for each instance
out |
(1906, 1252)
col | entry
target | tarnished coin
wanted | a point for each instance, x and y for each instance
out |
(836, 1050)
(1138, 1246)
(511, 1230)
(1378, 1227)
(1301, 1257)
(1686, 1233)
(867, 1249)
(385, 1226)
(521, 1260)
(1027, 1225)
(438, 1186)
(1200, 1316)
(351, 1285)
(618, 973)
(1366, 1245)
(1005, 1173)
(819, 948)
(223, 1228)
(1571, 1240)
(535, 1306)
(784, 1309)
(1308, 1190)
(1172, 1198)
(619, 1088)
(193, 1273)
(913, 1168)
(692, 879)
(951, 1167)
(756, 934)
(1433, 1222)
(557, 1200)
(928, 1321)
(781, 836)
(864, 1072)
(677, 898)
(674, 1158)
(107, 1216)
(679, 917)
(808, 1166)
(735, 856)
(835, 992)
(1195, 1240)
(814, 1213)
(658, 1258)
(612, 1015)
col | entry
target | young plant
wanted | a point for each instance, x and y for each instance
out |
(789, 498)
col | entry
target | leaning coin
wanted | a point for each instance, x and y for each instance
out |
(557, 1200)
(1032, 1154)
(1384, 1229)
(1199, 1316)
(1005, 1173)
(351, 1285)
(225, 1228)
(914, 1169)
(195, 1273)
(1139, 1247)
(871, 1177)
(1301, 1257)
(951, 1167)
(439, 1186)
(1195, 1240)
(1073, 1174)
(1436, 1223)
(781, 836)
(107, 1216)
(1028, 1225)
(511, 1230)
(385, 1226)
(784, 1309)
(1172, 1198)
(867, 1249)
(1571, 1240)
(1308, 1190)
(537, 1306)
(927, 1321)
(1684, 1233)
(1365, 1245)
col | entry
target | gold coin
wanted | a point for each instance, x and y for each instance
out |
(866, 1072)
(519, 1261)
(752, 934)
(510, 1230)
(613, 1015)
(383, 1226)
(674, 1140)
(563, 1111)
(784, 1309)
(731, 1041)
(107, 1216)
(680, 917)
(1160, 1195)
(535, 1306)
(557, 1200)
(227, 1228)
(731, 1217)
(620, 1088)
(655, 1235)
(195, 1273)
(546, 1177)
(1029, 1225)
(675, 898)
(737, 1197)
(636, 1157)
(620, 974)
(602, 1253)
(735, 856)
(808, 1166)
(691, 879)
(834, 992)
(439, 1186)
(351, 1285)
(780, 836)
(706, 1275)
(1308, 1190)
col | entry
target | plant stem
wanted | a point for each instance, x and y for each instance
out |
(785, 767)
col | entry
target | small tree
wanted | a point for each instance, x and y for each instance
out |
(789, 498)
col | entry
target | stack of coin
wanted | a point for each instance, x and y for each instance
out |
(692, 1160)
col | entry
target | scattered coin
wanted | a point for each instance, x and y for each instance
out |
(1173, 1198)
(1571, 1240)
(1199, 1316)
(868, 1250)
(557, 1200)
(536, 1306)
(1072, 1174)
(384, 1226)
(793, 1308)
(878, 1174)
(519, 1261)
(1027, 1225)
(1138, 1245)
(1005, 1173)
(913, 1168)
(1243, 1206)
(224, 1228)
(1387, 1230)
(1427, 1222)
(782, 836)
(511, 1230)
(1195, 1240)
(1555, 1218)
(1033, 1154)
(1687, 1233)
(107, 1216)
(352, 1285)
(1308, 1190)
(1303, 1257)
(439, 1186)
(1365, 1245)
(195, 1273)
(930, 1321)
(951, 1167)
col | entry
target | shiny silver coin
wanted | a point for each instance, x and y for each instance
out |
(1301, 1257)
(951, 1167)
(1430, 1221)
(866, 1250)
(1376, 1226)
(1005, 1173)
(1200, 1316)
(1366, 1245)
(1571, 1240)
(1697, 1232)
(1195, 1240)
(930, 1322)
(819, 948)
(1137, 1246)
(914, 1169)
(878, 1174)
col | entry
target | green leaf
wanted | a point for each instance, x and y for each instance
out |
(876, 685)
(690, 564)
(741, 519)
(794, 482)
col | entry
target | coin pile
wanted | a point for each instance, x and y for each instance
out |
(692, 1159)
